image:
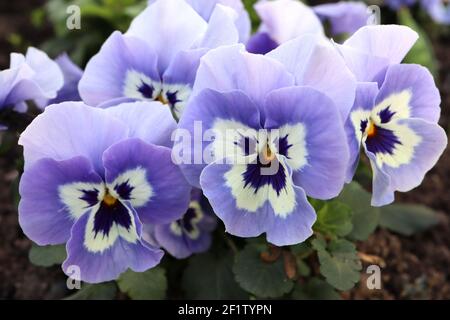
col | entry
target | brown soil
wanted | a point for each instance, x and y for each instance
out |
(417, 267)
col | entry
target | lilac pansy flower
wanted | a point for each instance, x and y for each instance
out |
(205, 8)
(344, 17)
(157, 58)
(266, 123)
(281, 21)
(72, 75)
(397, 126)
(188, 235)
(439, 10)
(32, 76)
(92, 177)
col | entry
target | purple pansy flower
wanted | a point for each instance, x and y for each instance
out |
(258, 119)
(281, 21)
(397, 127)
(32, 76)
(72, 75)
(188, 235)
(205, 8)
(157, 58)
(439, 10)
(93, 176)
(344, 17)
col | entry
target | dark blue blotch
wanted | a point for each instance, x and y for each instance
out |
(284, 146)
(386, 115)
(172, 98)
(146, 90)
(254, 178)
(90, 196)
(107, 215)
(383, 141)
(124, 190)
(363, 125)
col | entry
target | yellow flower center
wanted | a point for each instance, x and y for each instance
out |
(109, 200)
(371, 129)
(268, 154)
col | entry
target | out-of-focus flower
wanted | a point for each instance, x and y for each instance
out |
(281, 21)
(344, 17)
(439, 10)
(397, 127)
(33, 76)
(273, 141)
(397, 4)
(188, 235)
(93, 176)
(158, 56)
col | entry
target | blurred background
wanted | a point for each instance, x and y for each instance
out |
(416, 267)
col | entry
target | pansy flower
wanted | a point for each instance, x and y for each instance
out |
(157, 58)
(439, 10)
(281, 21)
(271, 144)
(345, 17)
(397, 126)
(33, 76)
(92, 177)
(397, 4)
(188, 235)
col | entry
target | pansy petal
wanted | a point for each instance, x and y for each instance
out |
(183, 67)
(382, 192)
(150, 121)
(145, 175)
(168, 27)
(284, 20)
(87, 132)
(212, 113)
(107, 75)
(364, 65)
(53, 194)
(244, 212)
(72, 75)
(344, 17)
(409, 91)
(124, 249)
(296, 112)
(386, 41)
(261, 43)
(318, 64)
(231, 68)
(364, 102)
(406, 174)
(221, 28)
(295, 227)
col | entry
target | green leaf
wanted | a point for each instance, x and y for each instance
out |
(47, 256)
(148, 285)
(422, 52)
(407, 219)
(334, 219)
(210, 277)
(264, 280)
(365, 217)
(315, 289)
(101, 291)
(339, 263)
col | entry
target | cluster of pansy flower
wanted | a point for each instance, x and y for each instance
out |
(284, 123)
